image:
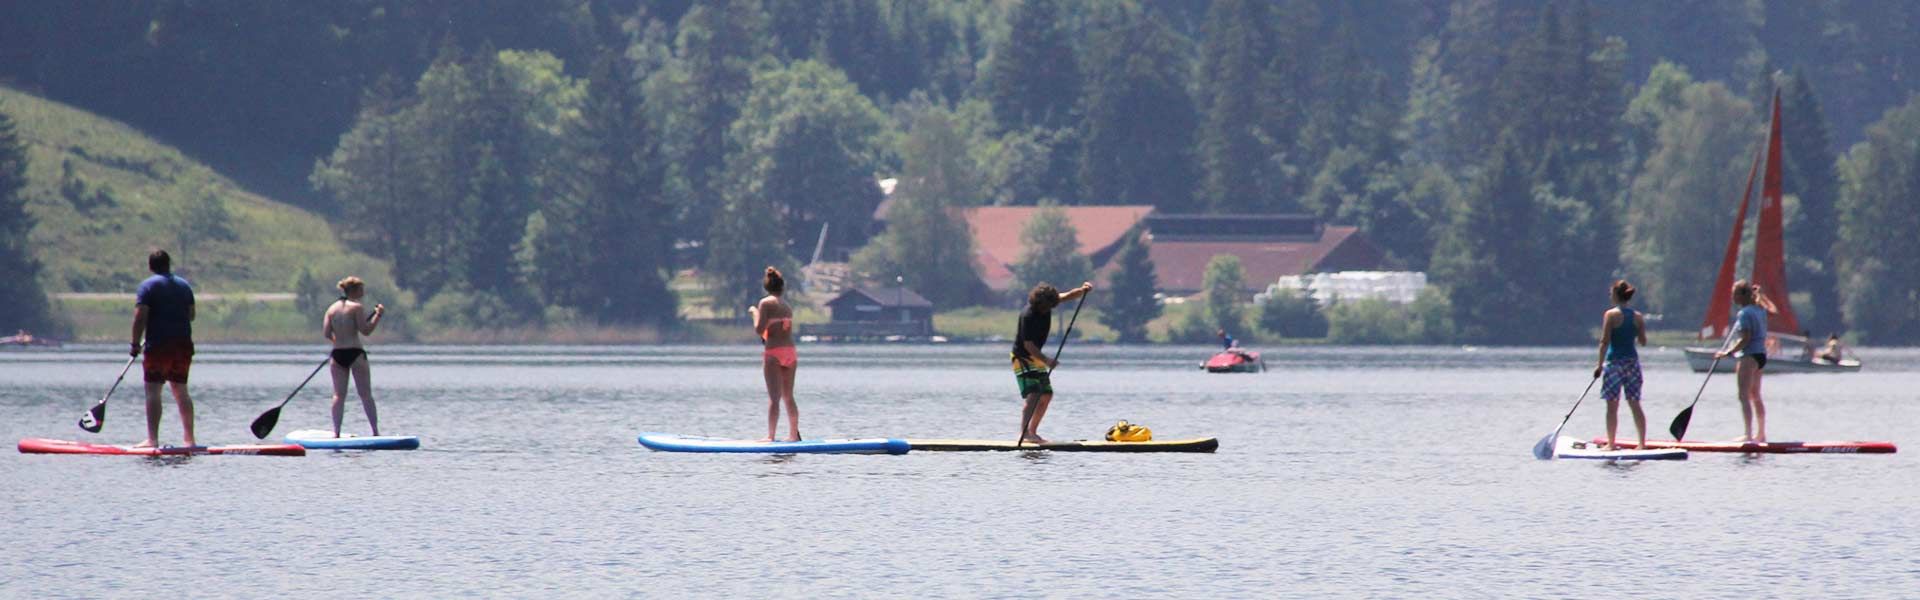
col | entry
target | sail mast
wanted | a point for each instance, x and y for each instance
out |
(1769, 249)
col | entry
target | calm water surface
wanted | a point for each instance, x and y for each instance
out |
(1341, 472)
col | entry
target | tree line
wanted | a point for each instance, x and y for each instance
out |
(562, 159)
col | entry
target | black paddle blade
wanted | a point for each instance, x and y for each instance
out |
(263, 424)
(95, 418)
(1680, 422)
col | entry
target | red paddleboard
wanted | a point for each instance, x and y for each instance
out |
(1767, 448)
(46, 446)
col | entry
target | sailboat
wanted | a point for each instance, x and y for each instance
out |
(1788, 353)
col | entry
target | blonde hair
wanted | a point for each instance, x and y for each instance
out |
(350, 284)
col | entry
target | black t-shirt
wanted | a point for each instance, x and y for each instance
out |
(1034, 327)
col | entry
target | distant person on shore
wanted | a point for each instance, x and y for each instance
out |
(779, 360)
(1032, 369)
(1833, 352)
(1750, 345)
(163, 317)
(346, 320)
(1620, 328)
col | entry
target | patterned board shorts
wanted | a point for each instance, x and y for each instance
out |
(1621, 372)
(1032, 375)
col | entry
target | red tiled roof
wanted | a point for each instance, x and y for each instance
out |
(996, 234)
(1181, 266)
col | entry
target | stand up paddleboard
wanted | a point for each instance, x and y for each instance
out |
(317, 439)
(1575, 449)
(667, 442)
(1192, 445)
(1771, 447)
(46, 446)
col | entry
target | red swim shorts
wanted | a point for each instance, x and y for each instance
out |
(168, 360)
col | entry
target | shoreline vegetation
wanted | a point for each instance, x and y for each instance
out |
(234, 319)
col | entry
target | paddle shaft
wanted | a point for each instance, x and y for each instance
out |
(303, 383)
(97, 416)
(1576, 406)
(1026, 417)
(1681, 421)
(263, 424)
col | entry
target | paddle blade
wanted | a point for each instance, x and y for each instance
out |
(1543, 449)
(1680, 422)
(263, 425)
(95, 418)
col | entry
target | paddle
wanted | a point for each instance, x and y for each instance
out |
(1026, 418)
(1685, 418)
(96, 417)
(263, 424)
(1543, 449)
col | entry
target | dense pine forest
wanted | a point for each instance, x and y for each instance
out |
(562, 160)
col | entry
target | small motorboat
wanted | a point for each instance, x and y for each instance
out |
(1235, 361)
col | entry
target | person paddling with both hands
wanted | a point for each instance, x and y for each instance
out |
(1619, 361)
(779, 359)
(1032, 369)
(1750, 344)
(346, 320)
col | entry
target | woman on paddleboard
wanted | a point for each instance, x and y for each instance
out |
(779, 361)
(1620, 329)
(347, 319)
(1750, 345)
(1032, 369)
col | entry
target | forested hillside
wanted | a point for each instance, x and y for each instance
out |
(539, 159)
(102, 195)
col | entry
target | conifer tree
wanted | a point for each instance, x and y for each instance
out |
(1130, 304)
(1225, 285)
(1810, 177)
(1034, 79)
(1139, 117)
(25, 302)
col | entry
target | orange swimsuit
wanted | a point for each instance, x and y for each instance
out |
(787, 356)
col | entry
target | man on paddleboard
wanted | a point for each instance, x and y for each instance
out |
(163, 316)
(1032, 369)
(1620, 327)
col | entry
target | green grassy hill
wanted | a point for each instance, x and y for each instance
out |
(105, 195)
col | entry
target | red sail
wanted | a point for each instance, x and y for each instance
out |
(1720, 300)
(1769, 252)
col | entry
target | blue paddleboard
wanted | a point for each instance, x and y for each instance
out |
(316, 439)
(667, 442)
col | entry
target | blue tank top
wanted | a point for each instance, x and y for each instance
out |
(1620, 344)
(1753, 320)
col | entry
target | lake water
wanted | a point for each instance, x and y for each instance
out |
(1342, 472)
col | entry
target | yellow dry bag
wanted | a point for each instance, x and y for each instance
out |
(1128, 432)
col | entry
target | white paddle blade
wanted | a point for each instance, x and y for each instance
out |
(1544, 448)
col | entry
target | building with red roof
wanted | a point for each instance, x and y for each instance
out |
(1269, 246)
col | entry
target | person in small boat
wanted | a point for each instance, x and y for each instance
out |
(1032, 369)
(1622, 330)
(1749, 345)
(1228, 344)
(346, 320)
(1833, 352)
(779, 360)
(163, 313)
(1806, 346)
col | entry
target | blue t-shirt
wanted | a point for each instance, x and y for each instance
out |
(169, 302)
(1753, 320)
